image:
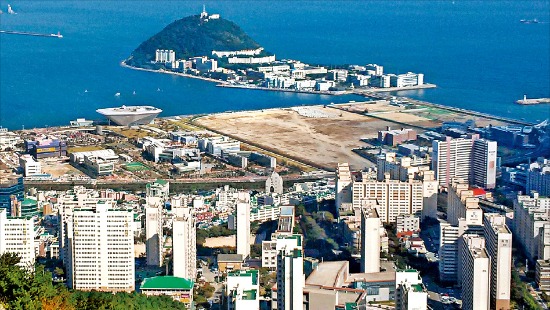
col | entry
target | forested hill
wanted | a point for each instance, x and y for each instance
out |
(193, 36)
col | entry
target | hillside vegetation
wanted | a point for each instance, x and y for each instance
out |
(191, 36)
(25, 290)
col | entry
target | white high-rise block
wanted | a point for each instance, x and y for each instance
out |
(100, 248)
(243, 229)
(370, 240)
(17, 236)
(290, 276)
(184, 242)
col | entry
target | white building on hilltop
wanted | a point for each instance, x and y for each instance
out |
(100, 249)
(17, 236)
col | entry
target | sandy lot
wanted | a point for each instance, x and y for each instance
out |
(325, 141)
(57, 169)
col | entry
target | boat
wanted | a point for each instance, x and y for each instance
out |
(130, 115)
(158, 89)
(529, 21)
(10, 10)
(85, 90)
(134, 92)
(117, 95)
(81, 122)
(58, 34)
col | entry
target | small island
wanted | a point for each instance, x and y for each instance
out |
(211, 48)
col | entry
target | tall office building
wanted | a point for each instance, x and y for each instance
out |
(410, 292)
(10, 185)
(498, 243)
(471, 159)
(243, 290)
(17, 236)
(100, 249)
(184, 239)
(370, 240)
(290, 276)
(393, 197)
(153, 234)
(475, 273)
(243, 229)
(538, 177)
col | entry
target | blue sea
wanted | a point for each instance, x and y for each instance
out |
(477, 52)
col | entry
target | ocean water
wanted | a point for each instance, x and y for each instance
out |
(477, 52)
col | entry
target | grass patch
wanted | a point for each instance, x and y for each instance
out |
(136, 166)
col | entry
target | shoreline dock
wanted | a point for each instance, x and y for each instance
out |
(533, 101)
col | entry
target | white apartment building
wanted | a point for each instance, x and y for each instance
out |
(370, 240)
(290, 277)
(393, 197)
(270, 249)
(17, 236)
(165, 56)
(157, 192)
(264, 213)
(378, 70)
(475, 273)
(459, 199)
(468, 159)
(243, 229)
(153, 234)
(184, 239)
(343, 189)
(448, 241)
(100, 249)
(410, 292)
(401, 168)
(407, 223)
(498, 243)
(215, 145)
(30, 165)
(243, 290)
(531, 212)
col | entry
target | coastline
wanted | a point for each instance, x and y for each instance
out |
(375, 93)
(125, 65)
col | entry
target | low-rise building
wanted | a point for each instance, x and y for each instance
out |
(30, 166)
(396, 136)
(407, 225)
(179, 289)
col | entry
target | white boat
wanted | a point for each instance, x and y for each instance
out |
(131, 115)
(134, 92)
(117, 95)
(10, 10)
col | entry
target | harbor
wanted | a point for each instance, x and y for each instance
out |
(35, 34)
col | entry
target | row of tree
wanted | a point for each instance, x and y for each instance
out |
(26, 289)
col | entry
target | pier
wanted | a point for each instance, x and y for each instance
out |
(35, 34)
(526, 101)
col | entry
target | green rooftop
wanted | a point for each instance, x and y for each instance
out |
(161, 182)
(351, 306)
(417, 287)
(28, 202)
(249, 273)
(167, 282)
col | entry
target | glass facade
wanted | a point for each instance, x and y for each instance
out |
(8, 187)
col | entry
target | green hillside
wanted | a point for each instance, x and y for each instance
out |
(191, 36)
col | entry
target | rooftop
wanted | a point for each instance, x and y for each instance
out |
(230, 258)
(248, 273)
(166, 282)
(327, 273)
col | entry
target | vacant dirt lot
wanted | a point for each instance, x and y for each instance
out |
(325, 141)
